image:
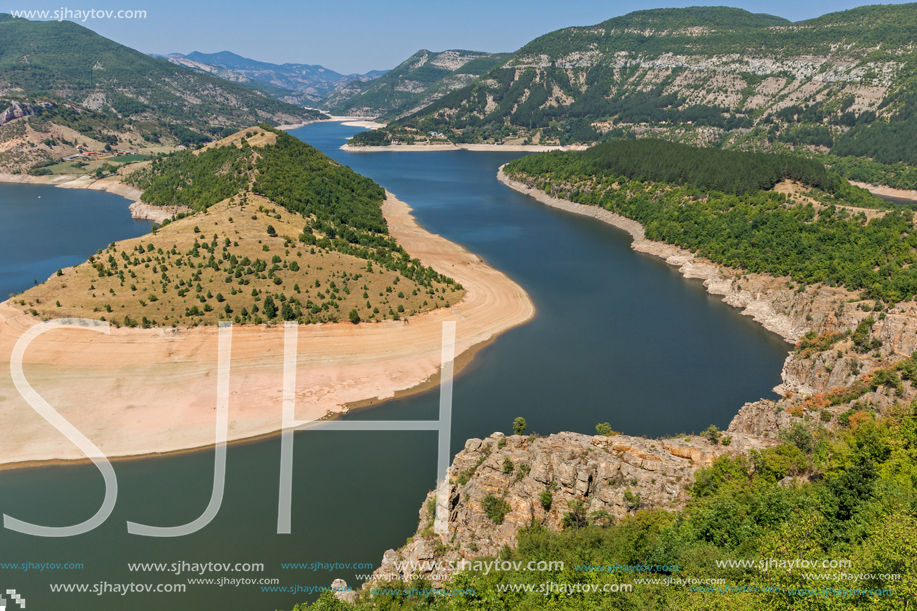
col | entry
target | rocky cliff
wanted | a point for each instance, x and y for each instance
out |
(18, 110)
(540, 480)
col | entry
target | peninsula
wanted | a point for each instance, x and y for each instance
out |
(279, 232)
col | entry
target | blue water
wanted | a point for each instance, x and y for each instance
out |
(43, 229)
(619, 337)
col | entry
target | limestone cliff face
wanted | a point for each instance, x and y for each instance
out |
(616, 474)
(18, 110)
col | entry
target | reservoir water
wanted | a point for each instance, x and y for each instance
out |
(43, 229)
(619, 337)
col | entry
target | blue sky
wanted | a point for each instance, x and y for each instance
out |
(361, 35)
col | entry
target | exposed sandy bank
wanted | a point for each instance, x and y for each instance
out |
(141, 392)
(882, 190)
(138, 209)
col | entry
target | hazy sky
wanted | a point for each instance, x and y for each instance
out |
(362, 35)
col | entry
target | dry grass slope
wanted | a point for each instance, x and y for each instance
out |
(230, 263)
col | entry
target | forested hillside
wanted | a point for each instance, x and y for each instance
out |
(720, 205)
(68, 64)
(723, 77)
(414, 84)
(276, 231)
(339, 205)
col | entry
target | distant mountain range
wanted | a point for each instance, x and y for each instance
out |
(414, 84)
(844, 82)
(302, 84)
(417, 82)
(63, 83)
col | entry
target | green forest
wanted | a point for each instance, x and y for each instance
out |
(68, 62)
(674, 192)
(341, 210)
(707, 169)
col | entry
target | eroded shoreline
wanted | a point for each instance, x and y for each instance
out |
(717, 280)
(138, 209)
(149, 392)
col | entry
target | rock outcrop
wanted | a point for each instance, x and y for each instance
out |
(540, 480)
(18, 110)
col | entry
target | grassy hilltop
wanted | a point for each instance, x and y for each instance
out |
(277, 232)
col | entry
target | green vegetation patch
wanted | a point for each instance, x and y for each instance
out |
(816, 240)
(670, 162)
(850, 503)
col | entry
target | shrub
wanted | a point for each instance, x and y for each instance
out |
(601, 518)
(576, 517)
(776, 463)
(495, 508)
(631, 500)
(507, 466)
(546, 498)
(603, 428)
(712, 434)
(800, 436)
(519, 426)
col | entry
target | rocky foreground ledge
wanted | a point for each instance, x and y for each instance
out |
(615, 474)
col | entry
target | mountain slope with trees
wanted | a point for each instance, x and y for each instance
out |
(414, 84)
(721, 205)
(277, 232)
(844, 82)
(76, 79)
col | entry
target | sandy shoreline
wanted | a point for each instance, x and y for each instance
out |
(138, 209)
(427, 148)
(367, 122)
(882, 190)
(139, 392)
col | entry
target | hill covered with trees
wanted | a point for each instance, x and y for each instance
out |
(713, 76)
(277, 231)
(720, 205)
(80, 81)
